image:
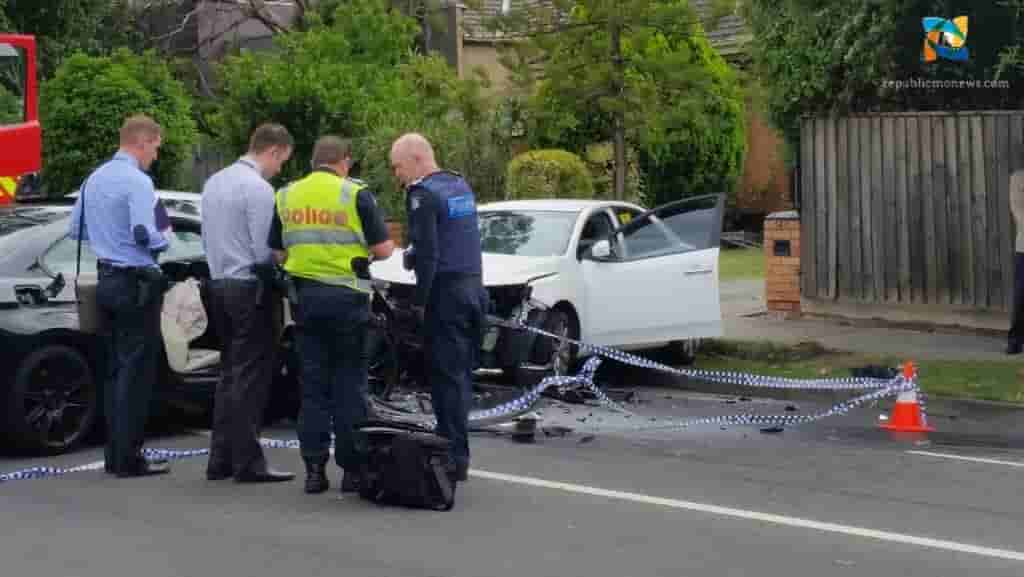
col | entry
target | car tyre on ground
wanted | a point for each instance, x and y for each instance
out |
(559, 354)
(53, 400)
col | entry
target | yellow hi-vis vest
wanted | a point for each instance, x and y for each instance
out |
(321, 229)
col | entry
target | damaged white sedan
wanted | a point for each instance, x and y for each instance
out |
(604, 272)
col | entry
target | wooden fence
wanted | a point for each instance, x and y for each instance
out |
(910, 208)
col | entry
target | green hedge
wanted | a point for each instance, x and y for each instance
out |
(87, 100)
(548, 174)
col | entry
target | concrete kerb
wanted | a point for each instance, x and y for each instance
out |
(959, 421)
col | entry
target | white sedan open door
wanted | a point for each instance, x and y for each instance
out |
(656, 278)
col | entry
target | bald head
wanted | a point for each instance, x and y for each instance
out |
(412, 158)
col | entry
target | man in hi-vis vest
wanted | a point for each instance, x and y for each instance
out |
(322, 222)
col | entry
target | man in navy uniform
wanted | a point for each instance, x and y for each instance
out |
(445, 253)
(115, 212)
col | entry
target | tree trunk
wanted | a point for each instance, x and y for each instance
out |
(619, 126)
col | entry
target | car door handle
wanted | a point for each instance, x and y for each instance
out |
(699, 270)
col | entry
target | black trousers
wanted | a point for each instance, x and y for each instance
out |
(453, 329)
(130, 317)
(332, 324)
(1016, 336)
(243, 313)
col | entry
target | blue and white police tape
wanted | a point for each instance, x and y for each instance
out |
(44, 472)
(879, 388)
(724, 377)
(884, 387)
(149, 454)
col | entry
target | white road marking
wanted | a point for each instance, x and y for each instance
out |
(964, 458)
(756, 516)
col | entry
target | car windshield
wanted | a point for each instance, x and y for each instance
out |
(526, 232)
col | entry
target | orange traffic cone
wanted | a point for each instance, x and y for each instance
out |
(906, 415)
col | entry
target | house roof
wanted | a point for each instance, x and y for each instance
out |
(731, 33)
(476, 18)
(727, 37)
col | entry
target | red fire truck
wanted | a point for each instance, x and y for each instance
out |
(20, 133)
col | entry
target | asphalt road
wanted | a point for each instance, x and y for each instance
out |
(836, 498)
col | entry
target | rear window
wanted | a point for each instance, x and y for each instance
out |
(13, 220)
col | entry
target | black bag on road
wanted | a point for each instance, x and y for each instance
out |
(405, 465)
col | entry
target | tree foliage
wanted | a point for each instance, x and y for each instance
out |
(843, 56)
(356, 75)
(88, 99)
(681, 103)
(600, 158)
(64, 27)
(548, 174)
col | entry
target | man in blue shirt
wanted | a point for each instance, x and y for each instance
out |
(115, 214)
(446, 255)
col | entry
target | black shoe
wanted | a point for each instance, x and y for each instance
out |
(108, 466)
(145, 469)
(218, 473)
(218, 470)
(349, 483)
(316, 477)
(265, 476)
(460, 472)
(1013, 349)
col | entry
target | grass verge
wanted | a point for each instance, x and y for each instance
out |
(978, 380)
(740, 263)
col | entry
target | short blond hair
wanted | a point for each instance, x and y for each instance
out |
(139, 127)
(330, 150)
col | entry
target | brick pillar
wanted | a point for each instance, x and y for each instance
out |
(782, 260)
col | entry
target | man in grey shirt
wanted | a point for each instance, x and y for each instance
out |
(237, 209)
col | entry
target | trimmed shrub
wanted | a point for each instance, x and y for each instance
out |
(86, 102)
(548, 174)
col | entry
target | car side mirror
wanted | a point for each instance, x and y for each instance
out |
(583, 248)
(55, 287)
(601, 250)
(361, 267)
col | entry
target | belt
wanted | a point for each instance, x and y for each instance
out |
(233, 281)
(107, 266)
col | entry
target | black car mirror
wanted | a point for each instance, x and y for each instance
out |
(583, 247)
(55, 287)
(361, 267)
